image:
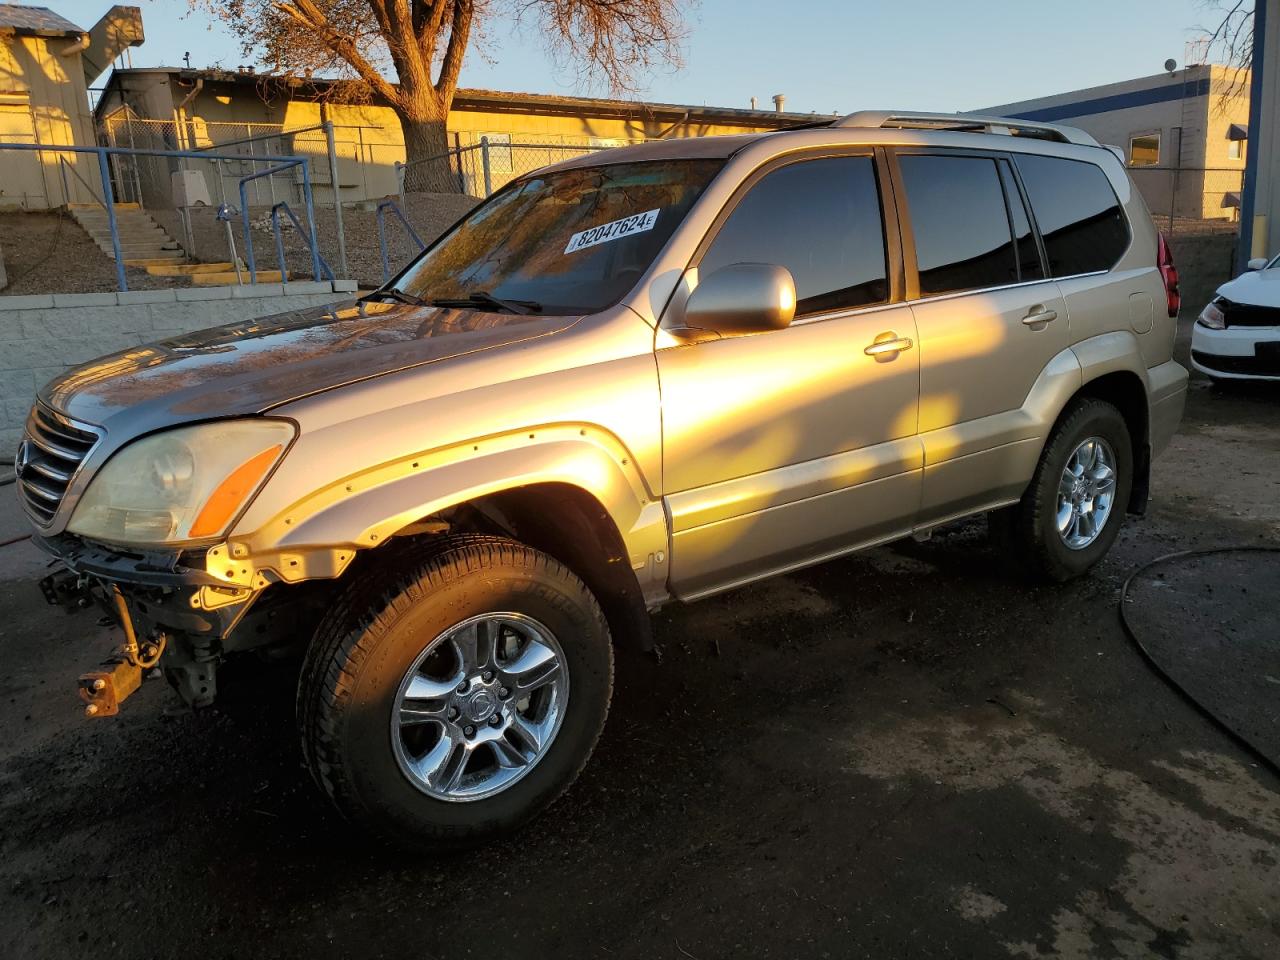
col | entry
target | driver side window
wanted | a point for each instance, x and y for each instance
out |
(821, 220)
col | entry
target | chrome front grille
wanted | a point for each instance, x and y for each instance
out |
(51, 452)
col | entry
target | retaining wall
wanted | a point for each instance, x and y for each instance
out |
(41, 336)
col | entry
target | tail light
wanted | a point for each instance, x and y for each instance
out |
(1169, 274)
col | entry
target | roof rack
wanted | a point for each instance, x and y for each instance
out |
(966, 123)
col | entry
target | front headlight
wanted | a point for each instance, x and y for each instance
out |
(1213, 317)
(183, 484)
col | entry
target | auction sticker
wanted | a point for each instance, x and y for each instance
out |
(637, 223)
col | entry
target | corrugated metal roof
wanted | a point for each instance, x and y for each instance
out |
(35, 20)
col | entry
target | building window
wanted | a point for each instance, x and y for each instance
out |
(1233, 149)
(500, 164)
(1144, 150)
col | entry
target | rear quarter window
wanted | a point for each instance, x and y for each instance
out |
(1081, 220)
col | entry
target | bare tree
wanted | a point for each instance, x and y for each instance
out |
(1231, 41)
(408, 53)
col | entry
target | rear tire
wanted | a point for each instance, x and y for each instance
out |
(1031, 532)
(373, 713)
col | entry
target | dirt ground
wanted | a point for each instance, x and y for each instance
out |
(905, 753)
(51, 253)
(430, 214)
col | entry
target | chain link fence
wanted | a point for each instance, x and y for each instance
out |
(1189, 200)
(365, 159)
(365, 164)
(491, 161)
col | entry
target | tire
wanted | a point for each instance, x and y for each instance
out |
(1028, 532)
(365, 658)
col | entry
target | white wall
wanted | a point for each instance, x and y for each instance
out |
(41, 336)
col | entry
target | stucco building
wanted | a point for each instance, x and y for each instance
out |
(172, 107)
(46, 66)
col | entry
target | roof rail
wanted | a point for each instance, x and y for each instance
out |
(965, 122)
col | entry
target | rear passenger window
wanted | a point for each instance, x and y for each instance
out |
(821, 220)
(1079, 217)
(959, 222)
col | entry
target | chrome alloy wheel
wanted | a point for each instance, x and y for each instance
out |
(1086, 493)
(480, 706)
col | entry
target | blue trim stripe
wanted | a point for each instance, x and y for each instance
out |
(1119, 101)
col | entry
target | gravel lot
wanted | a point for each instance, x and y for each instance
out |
(904, 753)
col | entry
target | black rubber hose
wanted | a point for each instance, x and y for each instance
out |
(1244, 742)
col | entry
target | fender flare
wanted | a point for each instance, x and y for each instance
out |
(318, 535)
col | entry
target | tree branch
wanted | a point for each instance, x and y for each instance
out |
(308, 15)
(459, 33)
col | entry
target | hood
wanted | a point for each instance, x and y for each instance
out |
(1256, 288)
(247, 368)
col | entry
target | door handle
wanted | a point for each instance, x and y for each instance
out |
(886, 346)
(1039, 314)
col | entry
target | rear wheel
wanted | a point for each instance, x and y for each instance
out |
(455, 701)
(1071, 513)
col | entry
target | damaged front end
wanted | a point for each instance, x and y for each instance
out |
(175, 617)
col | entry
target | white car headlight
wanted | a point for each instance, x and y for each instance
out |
(181, 485)
(1213, 317)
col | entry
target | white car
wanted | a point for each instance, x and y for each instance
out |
(1237, 336)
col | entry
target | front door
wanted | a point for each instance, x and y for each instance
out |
(790, 446)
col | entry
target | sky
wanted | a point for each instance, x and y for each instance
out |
(826, 56)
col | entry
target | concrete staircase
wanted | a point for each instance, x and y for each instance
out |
(212, 274)
(142, 242)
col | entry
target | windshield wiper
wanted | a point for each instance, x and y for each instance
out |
(483, 298)
(391, 293)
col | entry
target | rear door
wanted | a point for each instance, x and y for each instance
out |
(1110, 283)
(989, 322)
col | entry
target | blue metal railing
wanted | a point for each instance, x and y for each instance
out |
(313, 243)
(104, 172)
(308, 240)
(382, 233)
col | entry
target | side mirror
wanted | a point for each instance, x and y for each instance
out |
(742, 298)
(1257, 263)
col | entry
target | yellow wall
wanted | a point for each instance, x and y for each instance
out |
(1224, 111)
(369, 140)
(43, 100)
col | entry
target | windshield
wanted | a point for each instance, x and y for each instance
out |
(573, 241)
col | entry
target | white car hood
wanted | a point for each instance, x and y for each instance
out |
(1256, 288)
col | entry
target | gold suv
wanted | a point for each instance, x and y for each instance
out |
(645, 375)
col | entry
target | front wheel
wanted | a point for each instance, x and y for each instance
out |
(1071, 513)
(455, 701)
